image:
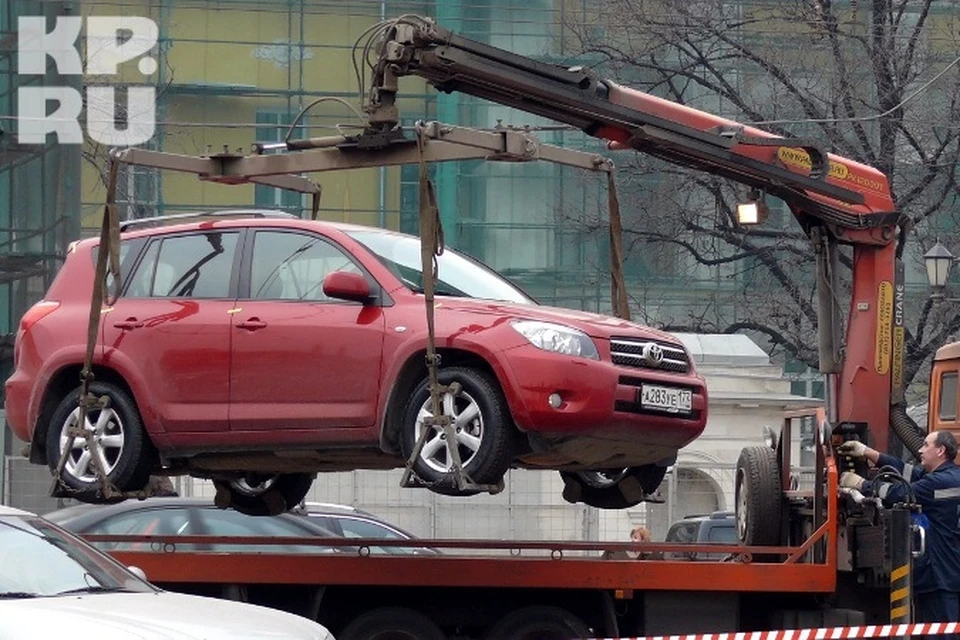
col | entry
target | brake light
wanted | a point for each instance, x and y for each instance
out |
(37, 312)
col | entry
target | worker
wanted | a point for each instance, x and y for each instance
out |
(936, 486)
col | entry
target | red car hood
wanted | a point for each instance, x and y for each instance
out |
(593, 324)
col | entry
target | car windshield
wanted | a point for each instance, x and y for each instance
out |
(458, 275)
(37, 559)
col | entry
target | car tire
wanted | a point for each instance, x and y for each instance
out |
(392, 623)
(269, 497)
(539, 623)
(612, 489)
(487, 447)
(758, 497)
(128, 453)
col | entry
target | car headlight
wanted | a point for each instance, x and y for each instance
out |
(557, 338)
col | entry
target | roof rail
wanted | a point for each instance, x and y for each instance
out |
(157, 221)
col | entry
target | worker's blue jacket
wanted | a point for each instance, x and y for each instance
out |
(938, 493)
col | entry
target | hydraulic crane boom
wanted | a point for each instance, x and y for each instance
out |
(835, 199)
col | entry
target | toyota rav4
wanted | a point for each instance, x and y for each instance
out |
(257, 350)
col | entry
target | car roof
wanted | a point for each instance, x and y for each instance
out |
(13, 511)
(224, 218)
(330, 507)
(84, 514)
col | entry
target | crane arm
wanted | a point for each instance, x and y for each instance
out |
(836, 190)
(835, 199)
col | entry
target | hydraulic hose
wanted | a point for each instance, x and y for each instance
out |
(906, 429)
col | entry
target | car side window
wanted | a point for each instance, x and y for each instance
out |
(157, 522)
(361, 529)
(127, 252)
(233, 523)
(726, 535)
(683, 532)
(292, 266)
(191, 266)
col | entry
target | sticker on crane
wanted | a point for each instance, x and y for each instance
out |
(826, 633)
(884, 327)
(899, 336)
(793, 157)
(800, 159)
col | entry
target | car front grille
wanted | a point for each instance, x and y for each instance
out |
(649, 354)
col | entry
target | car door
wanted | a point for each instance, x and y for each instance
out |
(169, 332)
(301, 361)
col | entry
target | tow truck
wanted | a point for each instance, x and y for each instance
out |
(810, 556)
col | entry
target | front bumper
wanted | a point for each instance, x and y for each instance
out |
(600, 409)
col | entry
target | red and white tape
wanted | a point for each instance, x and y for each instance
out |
(826, 633)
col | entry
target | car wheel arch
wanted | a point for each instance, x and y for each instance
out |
(61, 383)
(409, 376)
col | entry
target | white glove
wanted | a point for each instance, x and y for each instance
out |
(851, 480)
(853, 448)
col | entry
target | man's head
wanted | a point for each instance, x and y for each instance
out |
(937, 448)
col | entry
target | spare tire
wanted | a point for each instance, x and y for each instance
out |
(759, 498)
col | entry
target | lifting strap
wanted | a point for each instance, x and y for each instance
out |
(431, 246)
(618, 285)
(108, 256)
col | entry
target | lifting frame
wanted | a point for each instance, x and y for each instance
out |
(431, 142)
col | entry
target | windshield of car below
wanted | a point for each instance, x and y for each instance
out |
(39, 560)
(457, 274)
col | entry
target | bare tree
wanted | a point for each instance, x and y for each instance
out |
(875, 81)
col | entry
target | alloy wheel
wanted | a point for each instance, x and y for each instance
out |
(467, 423)
(107, 430)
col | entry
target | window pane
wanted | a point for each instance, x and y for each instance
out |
(232, 523)
(196, 266)
(948, 396)
(142, 280)
(292, 266)
(727, 535)
(360, 529)
(156, 522)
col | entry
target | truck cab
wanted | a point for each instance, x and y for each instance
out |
(944, 386)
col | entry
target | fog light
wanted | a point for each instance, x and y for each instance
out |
(555, 400)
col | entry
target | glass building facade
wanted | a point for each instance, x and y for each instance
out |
(233, 72)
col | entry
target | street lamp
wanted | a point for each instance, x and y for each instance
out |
(938, 261)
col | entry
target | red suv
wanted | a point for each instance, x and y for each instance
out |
(258, 349)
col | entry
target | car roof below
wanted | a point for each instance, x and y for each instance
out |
(12, 511)
(80, 510)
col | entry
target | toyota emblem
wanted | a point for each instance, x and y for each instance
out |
(653, 354)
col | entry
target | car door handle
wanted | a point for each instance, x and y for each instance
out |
(252, 324)
(128, 324)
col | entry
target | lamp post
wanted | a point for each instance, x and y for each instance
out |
(938, 261)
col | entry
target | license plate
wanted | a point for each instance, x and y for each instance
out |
(666, 398)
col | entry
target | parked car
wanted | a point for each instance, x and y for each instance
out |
(719, 527)
(257, 350)
(54, 585)
(350, 522)
(190, 517)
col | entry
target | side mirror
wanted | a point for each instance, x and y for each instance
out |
(137, 571)
(343, 285)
